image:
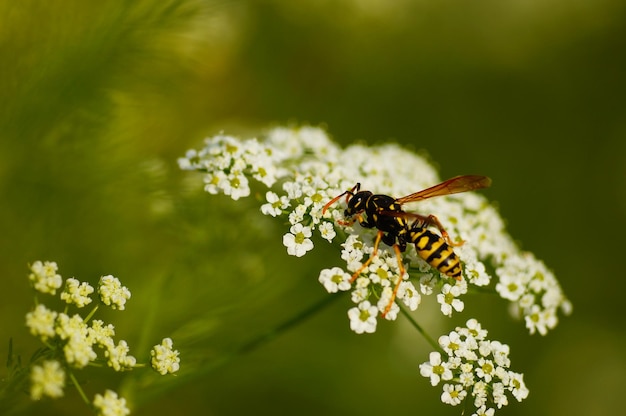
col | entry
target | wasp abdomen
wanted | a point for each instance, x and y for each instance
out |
(434, 249)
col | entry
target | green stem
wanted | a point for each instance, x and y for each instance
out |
(281, 328)
(79, 388)
(93, 311)
(419, 328)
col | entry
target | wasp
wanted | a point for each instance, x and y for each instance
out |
(398, 228)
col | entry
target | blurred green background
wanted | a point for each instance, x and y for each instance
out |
(98, 101)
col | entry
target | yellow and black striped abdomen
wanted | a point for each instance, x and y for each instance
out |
(434, 249)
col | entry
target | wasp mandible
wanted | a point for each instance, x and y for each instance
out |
(397, 228)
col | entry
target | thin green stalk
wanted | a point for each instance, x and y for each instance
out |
(272, 333)
(91, 314)
(419, 328)
(79, 388)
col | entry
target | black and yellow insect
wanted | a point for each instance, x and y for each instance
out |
(385, 213)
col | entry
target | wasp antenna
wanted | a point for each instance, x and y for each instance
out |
(349, 192)
(332, 201)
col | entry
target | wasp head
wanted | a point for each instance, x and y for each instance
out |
(356, 204)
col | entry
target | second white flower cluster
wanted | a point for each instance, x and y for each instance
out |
(73, 341)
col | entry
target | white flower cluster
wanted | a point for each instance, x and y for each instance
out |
(110, 404)
(304, 170)
(44, 277)
(48, 379)
(476, 367)
(538, 296)
(112, 293)
(73, 340)
(165, 358)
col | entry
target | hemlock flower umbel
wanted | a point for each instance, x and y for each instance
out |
(73, 341)
(303, 169)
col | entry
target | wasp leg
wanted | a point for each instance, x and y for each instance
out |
(396, 248)
(435, 221)
(346, 223)
(355, 218)
(364, 266)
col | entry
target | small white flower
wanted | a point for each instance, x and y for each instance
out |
(384, 303)
(110, 404)
(78, 348)
(427, 284)
(566, 307)
(41, 322)
(335, 279)
(453, 394)
(483, 411)
(352, 248)
(235, 185)
(510, 287)
(293, 189)
(363, 318)
(44, 277)
(524, 303)
(379, 271)
(517, 385)
(327, 231)
(359, 294)
(67, 326)
(297, 215)
(297, 240)
(409, 295)
(275, 204)
(112, 293)
(265, 171)
(485, 369)
(480, 393)
(451, 343)
(100, 333)
(537, 320)
(473, 269)
(500, 353)
(165, 358)
(474, 329)
(448, 299)
(47, 379)
(435, 369)
(118, 357)
(466, 378)
(499, 396)
(77, 292)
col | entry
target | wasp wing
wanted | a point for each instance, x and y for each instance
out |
(451, 186)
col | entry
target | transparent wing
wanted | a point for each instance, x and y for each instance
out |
(454, 185)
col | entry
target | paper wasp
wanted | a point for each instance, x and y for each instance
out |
(397, 228)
